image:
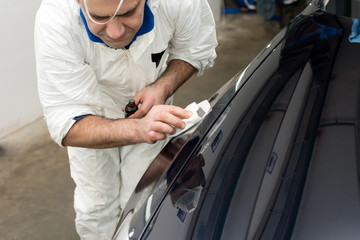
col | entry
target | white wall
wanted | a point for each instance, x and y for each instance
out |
(19, 103)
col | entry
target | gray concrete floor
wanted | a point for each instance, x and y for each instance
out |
(36, 191)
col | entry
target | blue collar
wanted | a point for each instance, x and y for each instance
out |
(147, 26)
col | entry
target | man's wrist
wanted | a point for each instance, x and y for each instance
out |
(177, 72)
(133, 130)
(164, 87)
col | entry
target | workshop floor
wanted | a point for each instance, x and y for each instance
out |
(36, 191)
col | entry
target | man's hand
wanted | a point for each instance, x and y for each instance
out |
(162, 120)
(175, 75)
(148, 97)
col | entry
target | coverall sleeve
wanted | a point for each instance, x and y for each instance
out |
(194, 38)
(66, 83)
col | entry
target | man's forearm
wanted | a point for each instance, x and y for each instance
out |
(176, 73)
(99, 132)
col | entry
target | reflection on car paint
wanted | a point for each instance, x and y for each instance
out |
(355, 31)
(216, 141)
(322, 31)
(271, 163)
(181, 215)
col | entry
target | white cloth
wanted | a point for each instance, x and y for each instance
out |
(199, 110)
(77, 76)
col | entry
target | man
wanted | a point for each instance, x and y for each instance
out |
(92, 57)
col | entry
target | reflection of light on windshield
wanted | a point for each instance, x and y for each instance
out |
(131, 233)
(148, 208)
(237, 85)
(123, 232)
(239, 81)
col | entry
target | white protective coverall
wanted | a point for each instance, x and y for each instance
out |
(77, 76)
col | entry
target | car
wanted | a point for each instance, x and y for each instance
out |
(277, 157)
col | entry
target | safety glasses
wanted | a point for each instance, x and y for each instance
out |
(104, 20)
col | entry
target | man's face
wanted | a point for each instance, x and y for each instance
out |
(119, 32)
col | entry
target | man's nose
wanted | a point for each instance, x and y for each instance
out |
(115, 29)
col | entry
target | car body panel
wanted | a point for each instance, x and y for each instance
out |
(276, 158)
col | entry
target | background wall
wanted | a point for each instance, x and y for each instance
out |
(19, 103)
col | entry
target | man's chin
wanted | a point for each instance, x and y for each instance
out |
(117, 44)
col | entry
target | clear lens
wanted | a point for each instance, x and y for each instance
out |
(102, 20)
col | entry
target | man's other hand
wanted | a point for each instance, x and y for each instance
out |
(148, 97)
